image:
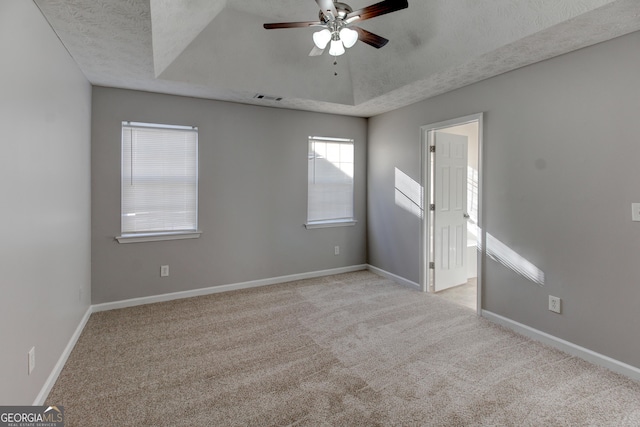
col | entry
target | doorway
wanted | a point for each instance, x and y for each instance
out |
(451, 239)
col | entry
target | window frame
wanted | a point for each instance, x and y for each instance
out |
(335, 222)
(160, 235)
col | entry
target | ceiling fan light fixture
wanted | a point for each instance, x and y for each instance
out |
(337, 48)
(335, 17)
(348, 36)
(322, 38)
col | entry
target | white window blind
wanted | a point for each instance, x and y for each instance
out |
(159, 179)
(330, 183)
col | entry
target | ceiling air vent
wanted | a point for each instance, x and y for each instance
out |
(267, 97)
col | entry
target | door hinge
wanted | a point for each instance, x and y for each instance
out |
(432, 207)
(432, 148)
(432, 266)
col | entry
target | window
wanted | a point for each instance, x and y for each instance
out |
(159, 182)
(330, 183)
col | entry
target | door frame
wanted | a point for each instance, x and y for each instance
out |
(426, 132)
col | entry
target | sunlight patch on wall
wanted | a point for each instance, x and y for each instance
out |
(408, 193)
(506, 256)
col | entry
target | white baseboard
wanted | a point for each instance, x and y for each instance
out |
(566, 346)
(223, 288)
(394, 277)
(51, 380)
(48, 385)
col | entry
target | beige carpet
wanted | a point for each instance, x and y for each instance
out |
(346, 350)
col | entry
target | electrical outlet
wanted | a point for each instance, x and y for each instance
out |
(336, 250)
(164, 271)
(31, 360)
(555, 304)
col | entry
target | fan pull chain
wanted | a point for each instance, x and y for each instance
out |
(335, 63)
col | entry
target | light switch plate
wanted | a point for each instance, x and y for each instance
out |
(635, 211)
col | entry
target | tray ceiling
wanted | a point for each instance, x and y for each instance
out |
(217, 49)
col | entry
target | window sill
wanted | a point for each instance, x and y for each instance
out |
(155, 237)
(329, 224)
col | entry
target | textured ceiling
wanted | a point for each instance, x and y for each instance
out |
(218, 49)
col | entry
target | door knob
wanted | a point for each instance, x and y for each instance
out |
(466, 215)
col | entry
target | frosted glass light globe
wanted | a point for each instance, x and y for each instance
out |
(349, 37)
(337, 48)
(321, 38)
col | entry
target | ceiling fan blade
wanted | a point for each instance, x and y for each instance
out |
(316, 51)
(292, 25)
(382, 8)
(328, 9)
(370, 38)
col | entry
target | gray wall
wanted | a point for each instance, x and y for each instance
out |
(45, 108)
(252, 197)
(561, 170)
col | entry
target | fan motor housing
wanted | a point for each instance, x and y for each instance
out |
(343, 10)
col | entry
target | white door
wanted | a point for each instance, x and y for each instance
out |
(450, 222)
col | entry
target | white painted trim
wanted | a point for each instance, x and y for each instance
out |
(482, 238)
(398, 279)
(53, 376)
(453, 122)
(425, 222)
(566, 346)
(330, 223)
(156, 237)
(223, 288)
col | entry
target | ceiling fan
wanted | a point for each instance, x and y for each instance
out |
(337, 18)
